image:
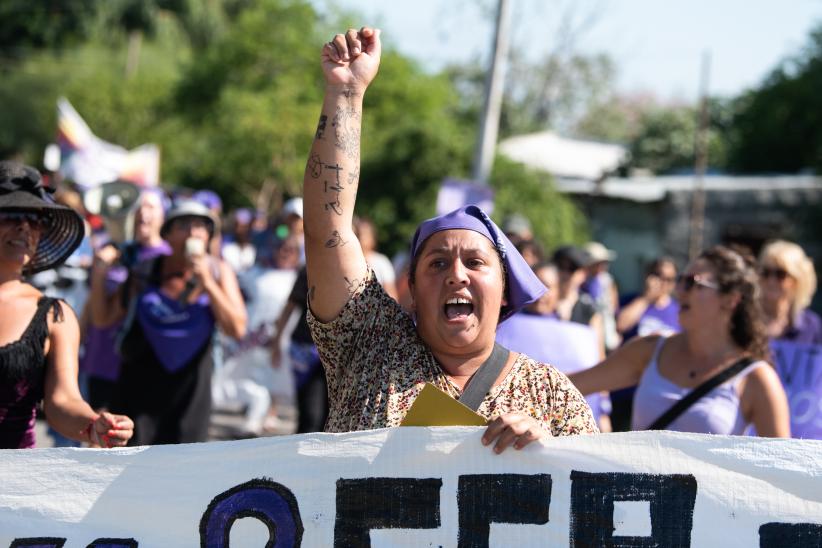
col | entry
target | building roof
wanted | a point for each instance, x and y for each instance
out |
(564, 157)
(655, 189)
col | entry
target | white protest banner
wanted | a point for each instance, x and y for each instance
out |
(418, 487)
(800, 368)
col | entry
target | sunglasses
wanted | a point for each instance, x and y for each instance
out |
(37, 221)
(689, 281)
(777, 273)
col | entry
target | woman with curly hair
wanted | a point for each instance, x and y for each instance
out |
(722, 331)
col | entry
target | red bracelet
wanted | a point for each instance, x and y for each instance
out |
(89, 429)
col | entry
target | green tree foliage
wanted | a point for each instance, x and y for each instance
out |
(26, 26)
(253, 95)
(550, 94)
(231, 91)
(411, 142)
(554, 218)
(92, 77)
(554, 92)
(616, 118)
(778, 127)
(666, 137)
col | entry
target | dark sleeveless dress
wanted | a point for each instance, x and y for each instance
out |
(23, 378)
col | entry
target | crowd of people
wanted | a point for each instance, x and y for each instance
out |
(205, 309)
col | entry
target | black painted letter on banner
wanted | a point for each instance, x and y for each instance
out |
(384, 503)
(671, 498)
(268, 501)
(38, 542)
(484, 499)
(790, 535)
(113, 543)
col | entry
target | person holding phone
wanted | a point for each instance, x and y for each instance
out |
(170, 307)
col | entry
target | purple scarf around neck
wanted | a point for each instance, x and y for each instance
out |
(176, 333)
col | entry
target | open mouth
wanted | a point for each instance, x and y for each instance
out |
(19, 243)
(457, 308)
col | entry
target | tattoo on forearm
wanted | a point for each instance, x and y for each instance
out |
(321, 126)
(347, 131)
(335, 187)
(335, 240)
(354, 176)
(335, 206)
(315, 165)
(336, 168)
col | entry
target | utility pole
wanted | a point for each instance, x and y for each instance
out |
(700, 164)
(489, 126)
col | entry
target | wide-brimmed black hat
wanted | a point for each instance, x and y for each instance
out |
(21, 189)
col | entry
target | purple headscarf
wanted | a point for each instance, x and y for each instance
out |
(522, 285)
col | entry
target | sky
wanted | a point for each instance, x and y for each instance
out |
(657, 45)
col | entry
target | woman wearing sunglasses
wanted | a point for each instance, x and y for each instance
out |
(39, 336)
(788, 282)
(722, 331)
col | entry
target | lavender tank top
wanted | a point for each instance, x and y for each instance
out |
(717, 412)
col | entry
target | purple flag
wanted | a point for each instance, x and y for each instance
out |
(455, 194)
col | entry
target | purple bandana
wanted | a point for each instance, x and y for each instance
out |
(176, 333)
(522, 285)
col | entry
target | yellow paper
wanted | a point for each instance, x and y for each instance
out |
(433, 407)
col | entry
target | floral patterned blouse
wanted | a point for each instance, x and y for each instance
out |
(376, 365)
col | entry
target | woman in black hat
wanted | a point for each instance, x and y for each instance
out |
(39, 336)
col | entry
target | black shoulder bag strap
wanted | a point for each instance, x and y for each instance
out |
(682, 405)
(484, 378)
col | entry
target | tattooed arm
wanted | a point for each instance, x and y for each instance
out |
(334, 258)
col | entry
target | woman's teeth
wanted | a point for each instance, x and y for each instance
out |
(458, 306)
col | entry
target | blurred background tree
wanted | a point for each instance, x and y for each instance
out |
(231, 90)
(777, 128)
